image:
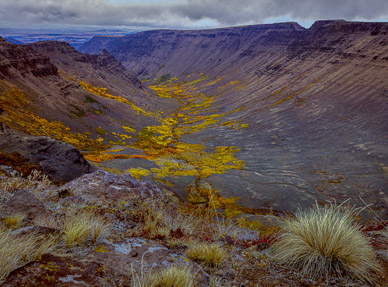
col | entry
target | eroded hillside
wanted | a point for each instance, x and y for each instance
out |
(48, 88)
(314, 101)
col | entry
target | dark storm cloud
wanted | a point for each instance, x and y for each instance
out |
(185, 13)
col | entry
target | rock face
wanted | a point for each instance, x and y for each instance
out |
(181, 52)
(103, 61)
(24, 60)
(101, 187)
(216, 50)
(60, 161)
(315, 102)
(141, 255)
(56, 271)
(25, 203)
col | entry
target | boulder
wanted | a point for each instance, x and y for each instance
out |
(25, 203)
(60, 161)
(100, 187)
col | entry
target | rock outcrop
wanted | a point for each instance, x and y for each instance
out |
(61, 53)
(56, 271)
(60, 161)
(24, 60)
(101, 187)
(26, 204)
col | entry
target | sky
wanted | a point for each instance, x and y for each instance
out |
(181, 14)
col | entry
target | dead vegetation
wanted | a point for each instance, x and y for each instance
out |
(83, 227)
(16, 250)
(324, 243)
(172, 276)
(211, 255)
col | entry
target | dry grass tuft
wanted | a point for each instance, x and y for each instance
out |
(325, 241)
(16, 250)
(172, 276)
(14, 220)
(35, 181)
(81, 228)
(210, 254)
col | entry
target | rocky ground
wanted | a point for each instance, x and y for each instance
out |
(103, 229)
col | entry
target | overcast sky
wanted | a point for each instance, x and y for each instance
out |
(183, 14)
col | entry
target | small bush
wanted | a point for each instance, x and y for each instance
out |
(81, 228)
(326, 241)
(209, 254)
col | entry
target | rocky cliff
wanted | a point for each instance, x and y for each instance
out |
(24, 60)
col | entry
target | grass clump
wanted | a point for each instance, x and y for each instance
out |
(210, 254)
(172, 276)
(13, 220)
(35, 181)
(325, 241)
(84, 227)
(17, 250)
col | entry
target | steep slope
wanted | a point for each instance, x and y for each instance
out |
(316, 102)
(187, 52)
(50, 89)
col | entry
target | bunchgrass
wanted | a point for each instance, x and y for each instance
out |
(172, 276)
(326, 241)
(13, 220)
(210, 254)
(84, 227)
(16, 250)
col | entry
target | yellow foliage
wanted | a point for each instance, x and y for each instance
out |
(14, 220)
(138, 172)
(102, 92)
(213, 82)
(101, 131)
(128, 129)
(14, 102)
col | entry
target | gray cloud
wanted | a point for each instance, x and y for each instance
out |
(184, 13)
